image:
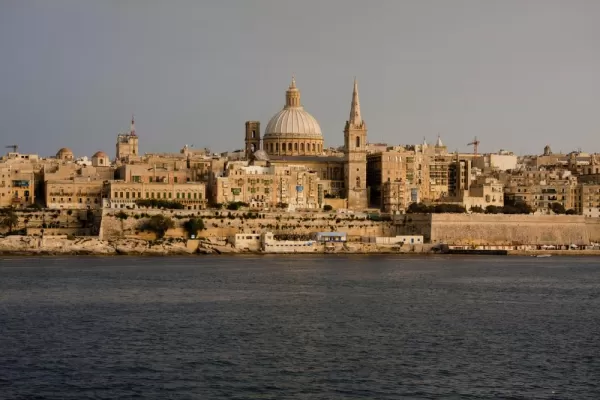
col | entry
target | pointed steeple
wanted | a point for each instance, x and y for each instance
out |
(355, 117)
(132, 129)
(439, 142)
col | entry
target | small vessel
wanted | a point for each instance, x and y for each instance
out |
(543, 255)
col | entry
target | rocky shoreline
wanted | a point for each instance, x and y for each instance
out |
(93, 246)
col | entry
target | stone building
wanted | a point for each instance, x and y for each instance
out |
(293, 138)
(263, 186)
(122, 194)
(17, 185)
(75, 193)
(127, 144)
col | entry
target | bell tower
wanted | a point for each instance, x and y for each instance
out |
(355, 154)
(252, 137)
(127, 143)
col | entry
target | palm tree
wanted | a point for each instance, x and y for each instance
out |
(9, 220)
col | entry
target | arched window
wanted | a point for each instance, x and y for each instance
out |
(295, 146)
(282, 146)
(271, 147)
(314, 147)
(253, 134)
(358, 142)
(358, 181)
(276, 146)
(301, 146)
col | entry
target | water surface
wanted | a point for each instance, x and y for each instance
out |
(300, 327)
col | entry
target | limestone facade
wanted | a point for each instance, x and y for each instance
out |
(17, 185)
(75, 193)
(122, 194)
(270, 186)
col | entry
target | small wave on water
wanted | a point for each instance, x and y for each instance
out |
(295, 327)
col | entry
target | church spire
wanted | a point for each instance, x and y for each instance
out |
(132, 129)
(355, 118)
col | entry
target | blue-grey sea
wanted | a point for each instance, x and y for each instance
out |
(300, 327)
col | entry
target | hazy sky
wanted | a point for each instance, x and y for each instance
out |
(519, 74)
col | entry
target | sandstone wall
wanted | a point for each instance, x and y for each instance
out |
(225, 223)
(480, 229)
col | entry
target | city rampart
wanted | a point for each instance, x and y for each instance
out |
(223, 223)
(499, 229)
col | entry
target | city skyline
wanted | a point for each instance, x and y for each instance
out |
(74, 72)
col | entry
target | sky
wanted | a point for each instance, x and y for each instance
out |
(518, 74)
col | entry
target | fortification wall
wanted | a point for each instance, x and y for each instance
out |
(225, 223)
(488, 229)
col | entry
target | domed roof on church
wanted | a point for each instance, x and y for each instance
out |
(65, 150)
(100, 154)
(293, 120)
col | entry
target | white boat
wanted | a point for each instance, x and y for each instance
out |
(543, 255)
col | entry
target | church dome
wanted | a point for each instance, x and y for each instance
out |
(293, 121)
(64, 154)
(100, 154)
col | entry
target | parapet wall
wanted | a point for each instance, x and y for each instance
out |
(487, 229)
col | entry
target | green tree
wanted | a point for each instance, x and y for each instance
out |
(327, 207)
(477, 210)
(159, 224)
(193, 225)
(558, 208)
(121, 215)
(9, 220)
(418, 208)
(493, 209)
(570, 211)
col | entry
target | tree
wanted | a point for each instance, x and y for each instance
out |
(327, 207)
(9, 220)
(159, 224)
(493, 209)
(193, 225)
(558, 208)
(477, 210)
(418, 208)
(570, 211)
(121, 215)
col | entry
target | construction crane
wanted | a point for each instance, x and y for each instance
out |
(14, 147)
(475, 144)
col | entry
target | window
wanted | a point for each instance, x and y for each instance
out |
(175, 179)
(358, 142)
(301, 146)
(253, 134)
(358, 181)
(295, 146)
